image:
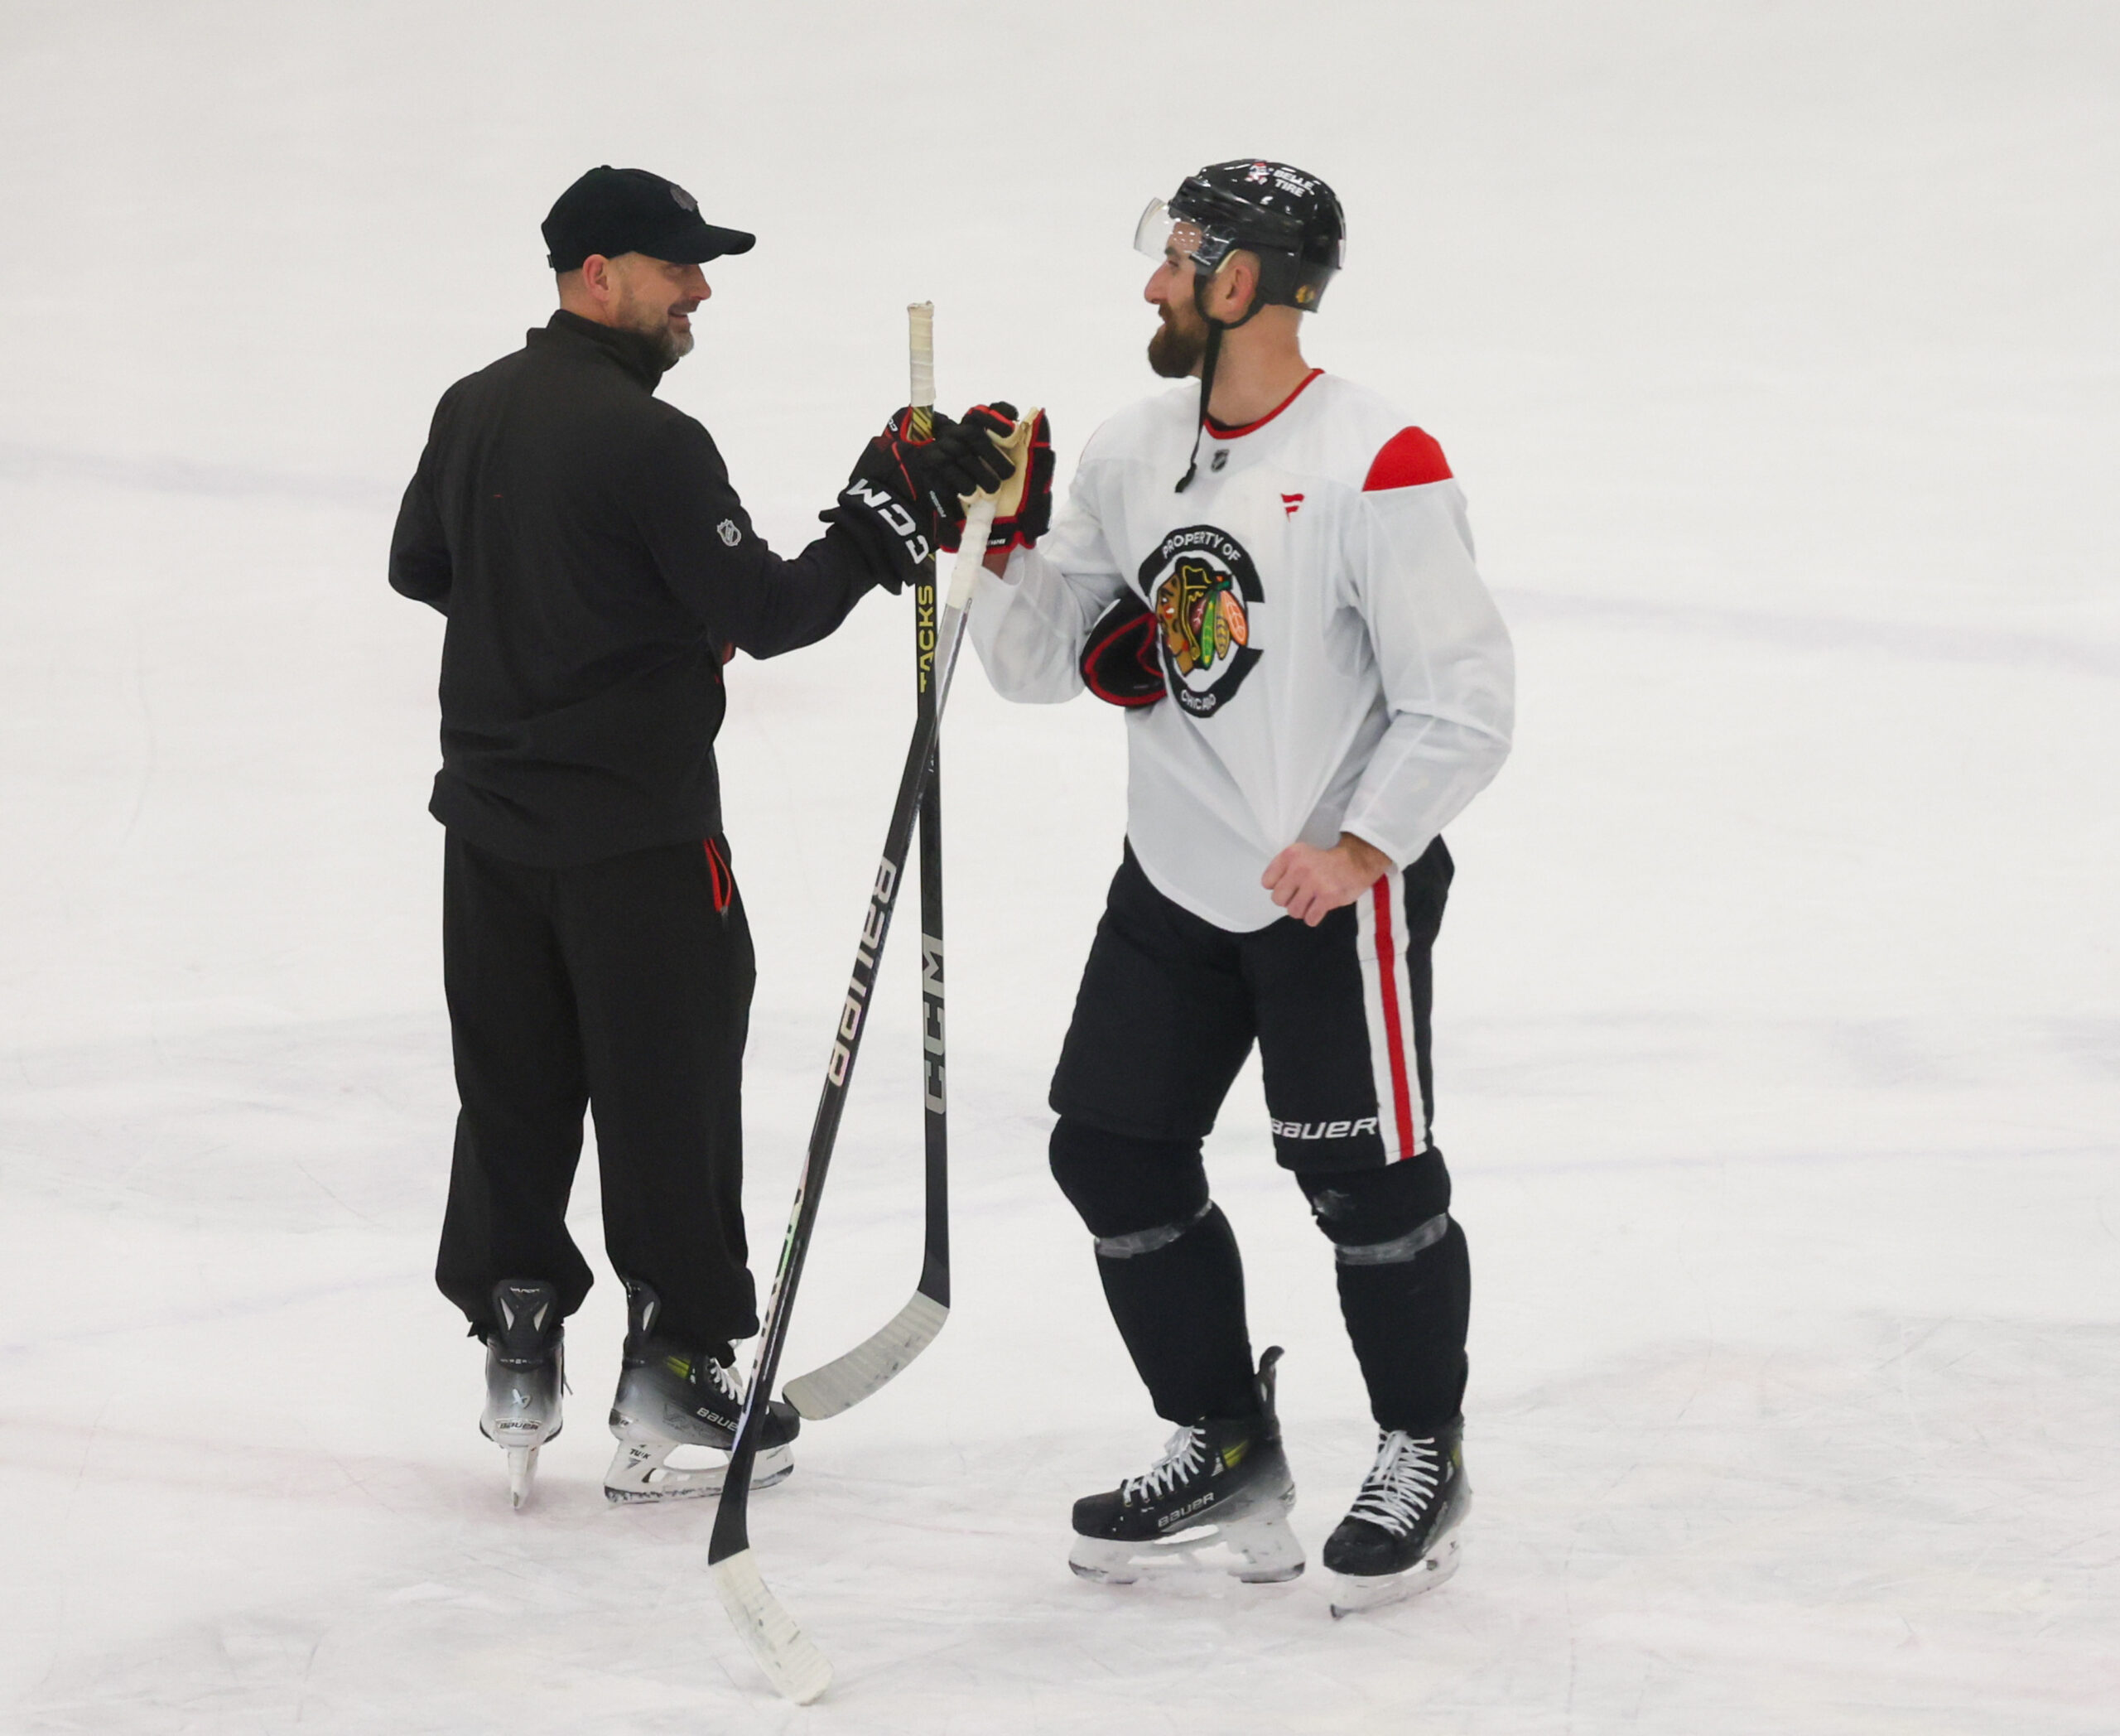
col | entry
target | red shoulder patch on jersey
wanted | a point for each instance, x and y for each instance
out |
(1408, 458)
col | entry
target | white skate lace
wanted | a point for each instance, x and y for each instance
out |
(1401, 1483)
(1182, 1455)
(725, 1379)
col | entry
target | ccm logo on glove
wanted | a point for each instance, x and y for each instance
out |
(892, 512)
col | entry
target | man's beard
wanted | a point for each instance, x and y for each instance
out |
(655, 326)
(1175, 349)
(669, 342)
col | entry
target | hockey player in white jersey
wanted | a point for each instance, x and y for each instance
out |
(1275, 575)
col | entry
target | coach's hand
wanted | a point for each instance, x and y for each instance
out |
(931, 476)
(1308, 882)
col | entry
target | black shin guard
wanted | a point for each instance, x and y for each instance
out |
(1180, 1309)
(1406, 1285)
(1407, 1322)
(1169, 1266)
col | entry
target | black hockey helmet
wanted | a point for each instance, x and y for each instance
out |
(1291, 220)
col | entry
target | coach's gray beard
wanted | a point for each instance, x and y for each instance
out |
(672, 343)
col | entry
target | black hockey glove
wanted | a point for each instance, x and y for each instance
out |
(886, 526)
(1119, 663)
(1032, 515)
(929, 475)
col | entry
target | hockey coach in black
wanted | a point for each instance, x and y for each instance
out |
(597, 570)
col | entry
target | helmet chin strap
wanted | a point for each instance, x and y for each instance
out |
(1216, 328)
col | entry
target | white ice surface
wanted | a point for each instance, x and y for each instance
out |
(1779, 1038)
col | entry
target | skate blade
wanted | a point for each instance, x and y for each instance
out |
(1264, 1552)
(640, 1473)
(1352, 1593)
(521, 1474)
(513, 1434)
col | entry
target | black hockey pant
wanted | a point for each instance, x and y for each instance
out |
(623, 987)
(1169, 1007)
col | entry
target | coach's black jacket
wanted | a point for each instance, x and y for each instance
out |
(583, 541)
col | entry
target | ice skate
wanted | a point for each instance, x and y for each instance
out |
(1217, 1501)
(524, 1378)
(671, 1401)
(1400, 1537)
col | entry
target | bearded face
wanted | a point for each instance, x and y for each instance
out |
(658, 299)
(1180, 339)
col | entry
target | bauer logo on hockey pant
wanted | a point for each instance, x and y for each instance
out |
(727, 531)
(1324, 1129)
(1202, 589)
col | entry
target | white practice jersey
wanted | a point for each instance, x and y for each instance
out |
(1333, 661)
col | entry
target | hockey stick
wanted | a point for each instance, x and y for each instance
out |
(878, 1359)
(796, 1668)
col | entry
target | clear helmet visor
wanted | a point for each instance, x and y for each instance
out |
(1162, 234)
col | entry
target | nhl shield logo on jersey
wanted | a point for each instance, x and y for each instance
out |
(1201, 586)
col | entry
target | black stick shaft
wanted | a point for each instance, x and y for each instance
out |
(935, 1111)
(731, 1526)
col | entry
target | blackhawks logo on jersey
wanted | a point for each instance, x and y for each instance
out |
(1201, 586)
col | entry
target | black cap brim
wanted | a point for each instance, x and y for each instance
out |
(710, 241)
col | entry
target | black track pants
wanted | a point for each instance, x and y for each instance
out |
(624, 986)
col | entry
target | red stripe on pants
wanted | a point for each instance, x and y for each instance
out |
(1387, 982)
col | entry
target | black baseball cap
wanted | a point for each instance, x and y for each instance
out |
(613, 211)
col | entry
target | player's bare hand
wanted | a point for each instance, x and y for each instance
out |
(1308, 882)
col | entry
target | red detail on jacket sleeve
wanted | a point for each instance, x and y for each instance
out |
(1408, 458)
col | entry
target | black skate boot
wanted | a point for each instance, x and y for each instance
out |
(524, 1377)
(1223, 1482)
(1400, 1536)
(669, 1398)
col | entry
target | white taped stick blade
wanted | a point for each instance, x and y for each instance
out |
(795, 1667)
(920, 336)
(871, 1365)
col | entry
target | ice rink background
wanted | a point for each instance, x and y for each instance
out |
(1778, 1032)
